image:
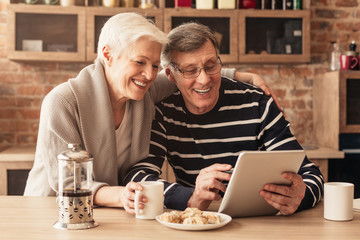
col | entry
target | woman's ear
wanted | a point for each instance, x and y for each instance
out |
(107, 55)
(169, 74)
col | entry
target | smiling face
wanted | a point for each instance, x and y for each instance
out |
(201, 93)
(130, 74)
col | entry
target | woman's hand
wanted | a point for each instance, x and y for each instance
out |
(119, 196)
(128, 197)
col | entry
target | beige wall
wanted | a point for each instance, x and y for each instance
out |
(23, 85)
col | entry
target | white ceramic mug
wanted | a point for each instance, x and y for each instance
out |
(338, 201)
(154, 192)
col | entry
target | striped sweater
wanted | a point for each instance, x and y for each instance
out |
(244, 118)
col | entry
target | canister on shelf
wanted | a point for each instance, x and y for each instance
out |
(127, 3)
(182, 3)
(147, 4)
(204, 4)
(247, 4)
(226, 4)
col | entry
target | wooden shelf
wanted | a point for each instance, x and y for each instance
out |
(259, 30)
(96, 17)
(245, 34)
(52, 27)
(223, 22)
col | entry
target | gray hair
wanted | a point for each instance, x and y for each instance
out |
(187, 37)
(124, 29)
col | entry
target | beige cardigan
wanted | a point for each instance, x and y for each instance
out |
(79, 111)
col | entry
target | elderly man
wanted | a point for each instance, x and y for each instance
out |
(202, 128)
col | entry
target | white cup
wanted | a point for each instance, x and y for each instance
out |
(338, 201)
(154, 192)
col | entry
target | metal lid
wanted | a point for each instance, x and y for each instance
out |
(75, 153)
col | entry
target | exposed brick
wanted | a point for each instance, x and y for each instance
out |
(318, 3)
(32, 90)
(346, 3)
(7, 113)
(7, 126)
(301, 93)
(330, 13)
(303, 72)
(24, 102)
(7, 139)
(321, 25)
(6, 101)
(22, 126)
(347, 26)
(280, 93)
(299, 104)
(6, 89)
(8, 77)
(286, 72)
(26, 139)
(30, 113)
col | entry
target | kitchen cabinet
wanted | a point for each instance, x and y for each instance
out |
(46, 33)
(222, 22)
(274, 36)
(54, 33)
(97, 16)
(336, 106)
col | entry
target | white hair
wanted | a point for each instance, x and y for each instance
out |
(124, 29)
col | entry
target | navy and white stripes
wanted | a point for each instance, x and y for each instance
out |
(243, 119)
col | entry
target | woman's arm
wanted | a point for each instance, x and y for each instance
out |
(119, 196)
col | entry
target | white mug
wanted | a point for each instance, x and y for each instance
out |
(154, 192)
(338, 201)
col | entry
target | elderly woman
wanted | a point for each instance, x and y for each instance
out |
(108, 108)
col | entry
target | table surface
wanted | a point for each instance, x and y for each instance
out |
(33, 217)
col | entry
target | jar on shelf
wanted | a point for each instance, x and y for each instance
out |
(147, 4)
(247, 4)
(204, 4)
(335, 57)
(226, 4)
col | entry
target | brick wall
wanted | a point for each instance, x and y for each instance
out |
(23, 85)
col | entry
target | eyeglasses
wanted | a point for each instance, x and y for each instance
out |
(195, 72)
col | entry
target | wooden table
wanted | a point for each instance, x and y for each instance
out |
(33, 217)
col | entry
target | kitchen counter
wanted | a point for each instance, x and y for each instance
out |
(323, 153)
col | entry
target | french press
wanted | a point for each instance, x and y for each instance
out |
(75, 195)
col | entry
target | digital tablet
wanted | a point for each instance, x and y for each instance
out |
(252, 171)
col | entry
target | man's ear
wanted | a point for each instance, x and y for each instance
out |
(107, 55)
(169, 75)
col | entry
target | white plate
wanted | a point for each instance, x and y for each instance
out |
(357, 205)
(225, 219)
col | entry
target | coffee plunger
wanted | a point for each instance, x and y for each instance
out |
(75, 195)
